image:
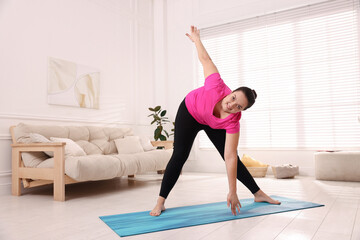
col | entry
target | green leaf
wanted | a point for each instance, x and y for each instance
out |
(163, 113)
(157, 118)
(157, 108)
(153, 121)
(162, 138)
(151, 109)
(157, 133)
(151, 115)
(166, 133)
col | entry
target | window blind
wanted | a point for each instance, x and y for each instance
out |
(304, 65)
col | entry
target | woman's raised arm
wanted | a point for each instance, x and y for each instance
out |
(208, 65)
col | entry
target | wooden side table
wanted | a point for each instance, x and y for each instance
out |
(165, 144)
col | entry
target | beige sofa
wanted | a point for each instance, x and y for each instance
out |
(96, 156)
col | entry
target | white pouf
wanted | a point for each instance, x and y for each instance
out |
(285, 171)
(337, 166)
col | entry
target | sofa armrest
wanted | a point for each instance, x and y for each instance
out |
(56, 174)
(165, 144)
(37, 147)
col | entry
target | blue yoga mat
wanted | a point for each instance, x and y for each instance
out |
(129, 224)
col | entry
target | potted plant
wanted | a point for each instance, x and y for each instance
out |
(159, 118)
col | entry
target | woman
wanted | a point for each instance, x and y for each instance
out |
(215, 109)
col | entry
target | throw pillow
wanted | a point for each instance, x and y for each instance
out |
(71, 147)
(31, 159)
(250, 162)
(38, 138)
(128, 145)
(146, 143)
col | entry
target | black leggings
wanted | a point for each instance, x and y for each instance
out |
(186, 129)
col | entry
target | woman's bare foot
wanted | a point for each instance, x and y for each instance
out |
(260, 196)
(159, 208)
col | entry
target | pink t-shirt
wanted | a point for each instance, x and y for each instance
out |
(201, 102)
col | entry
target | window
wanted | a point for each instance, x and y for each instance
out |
(304, 65)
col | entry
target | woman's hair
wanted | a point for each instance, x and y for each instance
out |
(250, 95)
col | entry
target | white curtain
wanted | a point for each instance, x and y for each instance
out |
(304, 65)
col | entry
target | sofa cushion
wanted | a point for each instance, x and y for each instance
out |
(71, 148)
(88, 168)
(92, 139)
(146, 143)
(150, 160)
(128, 145)
(23, 129)
(143, 162)
(100, 167)
(31, 159)
(38, 138)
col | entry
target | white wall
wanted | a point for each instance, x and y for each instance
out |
(116, 37)
(181, 57)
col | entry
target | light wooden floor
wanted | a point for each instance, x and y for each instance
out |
(36, 216)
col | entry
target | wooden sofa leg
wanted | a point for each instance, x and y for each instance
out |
(131, 176)
(59, 175)
(59, 191)
(15, 180)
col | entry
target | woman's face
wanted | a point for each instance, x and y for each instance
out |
(234, 102)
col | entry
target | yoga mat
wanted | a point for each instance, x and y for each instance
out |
(141, 222)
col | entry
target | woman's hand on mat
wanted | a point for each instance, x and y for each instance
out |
(233, 201)
(194, 34)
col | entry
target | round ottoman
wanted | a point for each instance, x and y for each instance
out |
(338, 166)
